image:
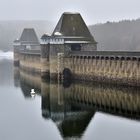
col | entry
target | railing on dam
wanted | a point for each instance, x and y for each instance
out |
(90, 53)
(105, 53)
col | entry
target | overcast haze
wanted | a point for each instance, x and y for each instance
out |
(93, 11)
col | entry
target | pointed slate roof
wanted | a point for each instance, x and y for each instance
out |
(73, 25)
(29, 36)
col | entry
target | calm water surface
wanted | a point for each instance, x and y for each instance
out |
(71, 111)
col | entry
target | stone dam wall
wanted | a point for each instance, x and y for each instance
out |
(120, 68)
(113, 67)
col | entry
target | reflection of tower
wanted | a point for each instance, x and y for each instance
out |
(16, 77)
(57, 104)
(75, 124)
(52, 101)
(70, 120)
(45, 103)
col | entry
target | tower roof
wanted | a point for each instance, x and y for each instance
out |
(29, 36)
(72, 25)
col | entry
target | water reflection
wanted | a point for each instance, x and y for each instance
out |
(72, 106)
(6, 75)
(70, 120)
(107, 127)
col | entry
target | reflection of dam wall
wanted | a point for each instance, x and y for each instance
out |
(106, 98)
(57, 99)
(16, 77)
(33, 80)
(30, 81)
(71, 108)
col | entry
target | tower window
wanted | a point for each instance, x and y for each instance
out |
(76, 47)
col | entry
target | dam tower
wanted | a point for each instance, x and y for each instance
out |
(70, 34)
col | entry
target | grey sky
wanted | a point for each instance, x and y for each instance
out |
(93, 11)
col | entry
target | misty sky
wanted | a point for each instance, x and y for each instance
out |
(93, 11)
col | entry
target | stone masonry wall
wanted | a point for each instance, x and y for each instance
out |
(123, 70)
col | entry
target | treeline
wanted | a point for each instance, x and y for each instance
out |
(123, 35)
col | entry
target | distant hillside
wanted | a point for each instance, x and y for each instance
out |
(10, 30)
(123, 35)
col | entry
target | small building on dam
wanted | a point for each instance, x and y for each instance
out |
(71, 53)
